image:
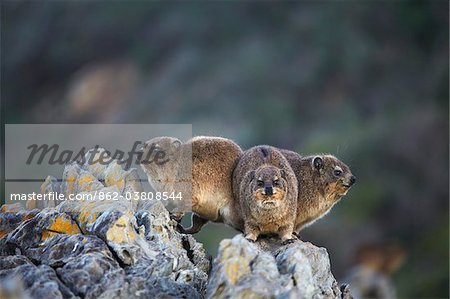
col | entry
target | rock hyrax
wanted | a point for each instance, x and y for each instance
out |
(213, 161)
(265, 186)
(323, 181)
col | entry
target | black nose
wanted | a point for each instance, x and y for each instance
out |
(268, 190)
(352, 180)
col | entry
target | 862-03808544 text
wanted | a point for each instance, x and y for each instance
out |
(97, 195)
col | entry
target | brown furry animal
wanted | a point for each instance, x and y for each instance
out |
(208, 164)
(266, 188)
(323, 180)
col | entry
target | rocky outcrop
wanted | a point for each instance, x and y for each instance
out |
(46, 263)
(70, 264)
(98, 248)
(126, 249)
(267, 269)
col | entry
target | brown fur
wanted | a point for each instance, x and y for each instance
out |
(319, 188)
(259, 168)
(213, 161)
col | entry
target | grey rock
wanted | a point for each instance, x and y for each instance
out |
(62, 248)
(111, 260)
(267, 269)
(91, 275)
(70, 174)
(88, 266)
(160, 288)
(50, 184)
(38, 281)
(10, 219)
(31, 233)
(12, 288)
(364, 282)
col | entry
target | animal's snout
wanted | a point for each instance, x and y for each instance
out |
(352, 180)
(268, 190)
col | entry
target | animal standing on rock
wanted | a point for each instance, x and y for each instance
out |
(265, 186)
(322, 181)
(212, 161)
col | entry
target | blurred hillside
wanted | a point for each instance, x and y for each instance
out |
(366, 81)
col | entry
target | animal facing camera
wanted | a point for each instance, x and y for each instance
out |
(318, 163)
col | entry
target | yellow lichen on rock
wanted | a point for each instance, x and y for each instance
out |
(122, 230)
(86, 218)
(61, 225)
(112, 181)
(87, 182)
(235, 269)
(115, 176)
(236, 266)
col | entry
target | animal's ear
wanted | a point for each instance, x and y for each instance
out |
(252, 175)
(283, 173)
(176, 144)
(318, 163)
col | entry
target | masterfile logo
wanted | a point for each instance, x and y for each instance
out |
(53, 154)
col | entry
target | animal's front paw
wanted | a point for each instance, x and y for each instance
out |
(177, 216)
(296, 235)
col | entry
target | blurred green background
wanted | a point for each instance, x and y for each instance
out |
(366, 81)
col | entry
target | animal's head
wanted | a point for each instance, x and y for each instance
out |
(269, 186)
(336, 175)
(158, 153)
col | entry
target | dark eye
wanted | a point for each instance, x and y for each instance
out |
(337, 172)
(276, 182)
(260, 183)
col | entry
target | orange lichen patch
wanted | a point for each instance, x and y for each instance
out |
(65, 226)
(85, 179)
(87, 182)
(28, 216)
(61, 226)
(120, 183)
(236, 266)
(87, 215)
(235, 269)
(47, 234)
(122, 231)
